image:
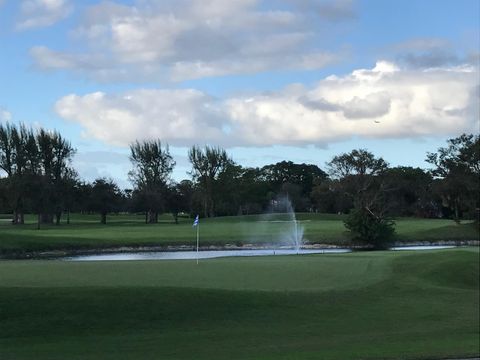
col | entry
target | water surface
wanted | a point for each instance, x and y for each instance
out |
(209, 254)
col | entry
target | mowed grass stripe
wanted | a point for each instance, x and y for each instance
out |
(128, 230)
(270, 273)
(411, 311)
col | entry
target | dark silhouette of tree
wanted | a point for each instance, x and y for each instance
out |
(457, 166)
(361, 177)
(359, 173)
(207, 166)
(180, 198)
(55, 156)
(295, 181)
(152, 167)
(105, 197)
(19, 160)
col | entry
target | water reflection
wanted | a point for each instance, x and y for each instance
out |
(185, 255)
(423, 247)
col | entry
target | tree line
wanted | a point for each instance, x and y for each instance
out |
(38, 177)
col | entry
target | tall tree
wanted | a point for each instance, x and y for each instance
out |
(253, 191)
(360, 176)
(180, 198)
(19, 160)
(207, 165)
(359, 172)
(105, 197)
(457, 166)
(410, 193)
(152, 167)
(294, 180)
(55, 157)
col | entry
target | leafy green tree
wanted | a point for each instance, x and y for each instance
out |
(55, 157)
(253, 190)
(361, 177)
(329, 197)
(367, 229)
(152, 168)
(105, 197)
(208, 165)
(295, 181)
(19, 160)
(180, 198)
(457, 166)
(410, 192)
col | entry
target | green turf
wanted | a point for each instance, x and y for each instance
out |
(373, 305)
(129, 230)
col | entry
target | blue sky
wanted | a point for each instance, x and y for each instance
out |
(271, 80)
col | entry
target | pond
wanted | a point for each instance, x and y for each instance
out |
(209, 254)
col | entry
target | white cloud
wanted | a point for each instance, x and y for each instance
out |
(178, 116)
(190, 39)
(5, 115)
(42, 13)
(383, 102)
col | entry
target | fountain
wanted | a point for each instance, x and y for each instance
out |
(294, 234)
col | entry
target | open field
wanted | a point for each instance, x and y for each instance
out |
(376, 305)
(129, 230)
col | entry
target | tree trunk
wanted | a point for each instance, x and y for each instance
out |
(68, 217)
(457, 213)
(22, 218)
(175, 217)
(15, 217)
(152, 216)
(103, 219)
(46, 218)
(206, 208)
(146, 217)
(39, 221)
(58, 216)
(212, 209)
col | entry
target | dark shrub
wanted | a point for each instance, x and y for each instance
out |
(369, 230)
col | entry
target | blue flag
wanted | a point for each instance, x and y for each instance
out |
(195, 222)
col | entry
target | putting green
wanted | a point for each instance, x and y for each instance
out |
(371, 305)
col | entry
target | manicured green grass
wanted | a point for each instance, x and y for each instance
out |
(129, 230)
(369, 305)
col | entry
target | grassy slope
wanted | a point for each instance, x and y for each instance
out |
(382, 305)
(86, 232)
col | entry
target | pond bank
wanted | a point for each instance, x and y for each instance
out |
(61, 253)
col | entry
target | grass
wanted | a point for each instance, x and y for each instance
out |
(373, 305)
(129, 230)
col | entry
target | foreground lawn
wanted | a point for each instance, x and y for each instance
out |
(373, 305)
(129, 230)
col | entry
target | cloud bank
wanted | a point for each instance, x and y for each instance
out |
(383, 102)
(42, 13)
(190, 39)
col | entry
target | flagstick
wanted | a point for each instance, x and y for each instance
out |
(198, 229)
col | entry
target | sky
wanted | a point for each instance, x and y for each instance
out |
(272, 80)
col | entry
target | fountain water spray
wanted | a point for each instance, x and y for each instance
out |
(279, 225)
(295, 233)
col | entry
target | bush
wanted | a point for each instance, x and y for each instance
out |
(369, 230)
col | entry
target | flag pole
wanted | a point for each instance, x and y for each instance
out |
(198, 230)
